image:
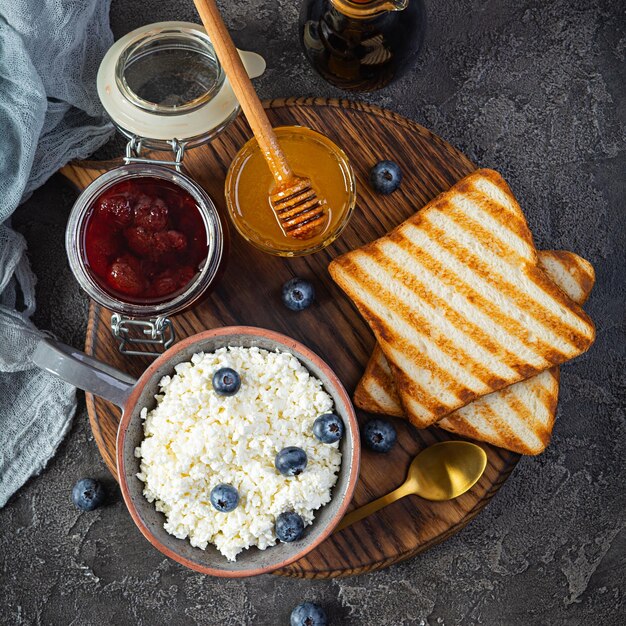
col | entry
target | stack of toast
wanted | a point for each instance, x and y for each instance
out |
(471, 321)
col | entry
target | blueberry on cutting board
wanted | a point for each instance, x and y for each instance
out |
(379, 435)
(298, 294)
(88, 494)
(308, 614)
(385, 177)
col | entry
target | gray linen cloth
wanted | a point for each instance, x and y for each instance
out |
(49, 114)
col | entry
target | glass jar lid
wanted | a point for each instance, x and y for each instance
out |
(163, 81)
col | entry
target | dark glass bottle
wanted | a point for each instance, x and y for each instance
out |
(361, 45)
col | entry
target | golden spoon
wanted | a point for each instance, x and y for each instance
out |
(443, 471)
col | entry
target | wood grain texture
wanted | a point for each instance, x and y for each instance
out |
(250, 294)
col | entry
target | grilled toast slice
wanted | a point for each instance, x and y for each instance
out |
(458, 302)
(520, 417)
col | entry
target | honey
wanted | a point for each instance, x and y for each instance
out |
(310, 155)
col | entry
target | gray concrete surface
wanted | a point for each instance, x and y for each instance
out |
(534, 88)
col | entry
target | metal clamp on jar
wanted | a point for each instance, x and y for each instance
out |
(144, 240)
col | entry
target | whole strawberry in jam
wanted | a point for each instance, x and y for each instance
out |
(116, 209)
(105, 245)
(145, 240)
(126, 276)
(165, 283)
(140, 241)
(151, 213)
(169, 241)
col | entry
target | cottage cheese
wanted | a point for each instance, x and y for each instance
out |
(196, 439)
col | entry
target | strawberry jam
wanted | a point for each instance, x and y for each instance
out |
(145, 240)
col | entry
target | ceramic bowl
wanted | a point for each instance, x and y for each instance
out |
(132, 396)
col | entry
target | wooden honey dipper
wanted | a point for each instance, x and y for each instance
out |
(299, 211)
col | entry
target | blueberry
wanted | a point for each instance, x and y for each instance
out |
(298, 294)
(328, 428)
(308, 614)
(385, 177)
(291, 461)
(379, 435)
(226, 381)
(224, 498)
(88, 494)
(289, 526)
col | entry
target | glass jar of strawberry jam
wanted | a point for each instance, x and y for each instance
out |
(144, 240)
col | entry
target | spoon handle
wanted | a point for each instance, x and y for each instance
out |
(371, 507)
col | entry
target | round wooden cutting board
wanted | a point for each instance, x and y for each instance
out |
(249, 294)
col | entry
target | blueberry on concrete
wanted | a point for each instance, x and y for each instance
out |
(289, 526)
(88, 494)
(308, 614)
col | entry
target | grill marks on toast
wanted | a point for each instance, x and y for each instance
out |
(438, 300)
(486, 221)
(521, 293)
(445, 337)
(573, 274)
(524, 426)
(465, 300)
(376, 391)
(385, 322)
(456, 300)
(515, 418)
(482, 296)
(502, 274)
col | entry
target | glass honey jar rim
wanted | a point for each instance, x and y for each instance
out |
(344, 163)
(216, 232)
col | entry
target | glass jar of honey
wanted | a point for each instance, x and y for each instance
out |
(144, 240)
(309, 154)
